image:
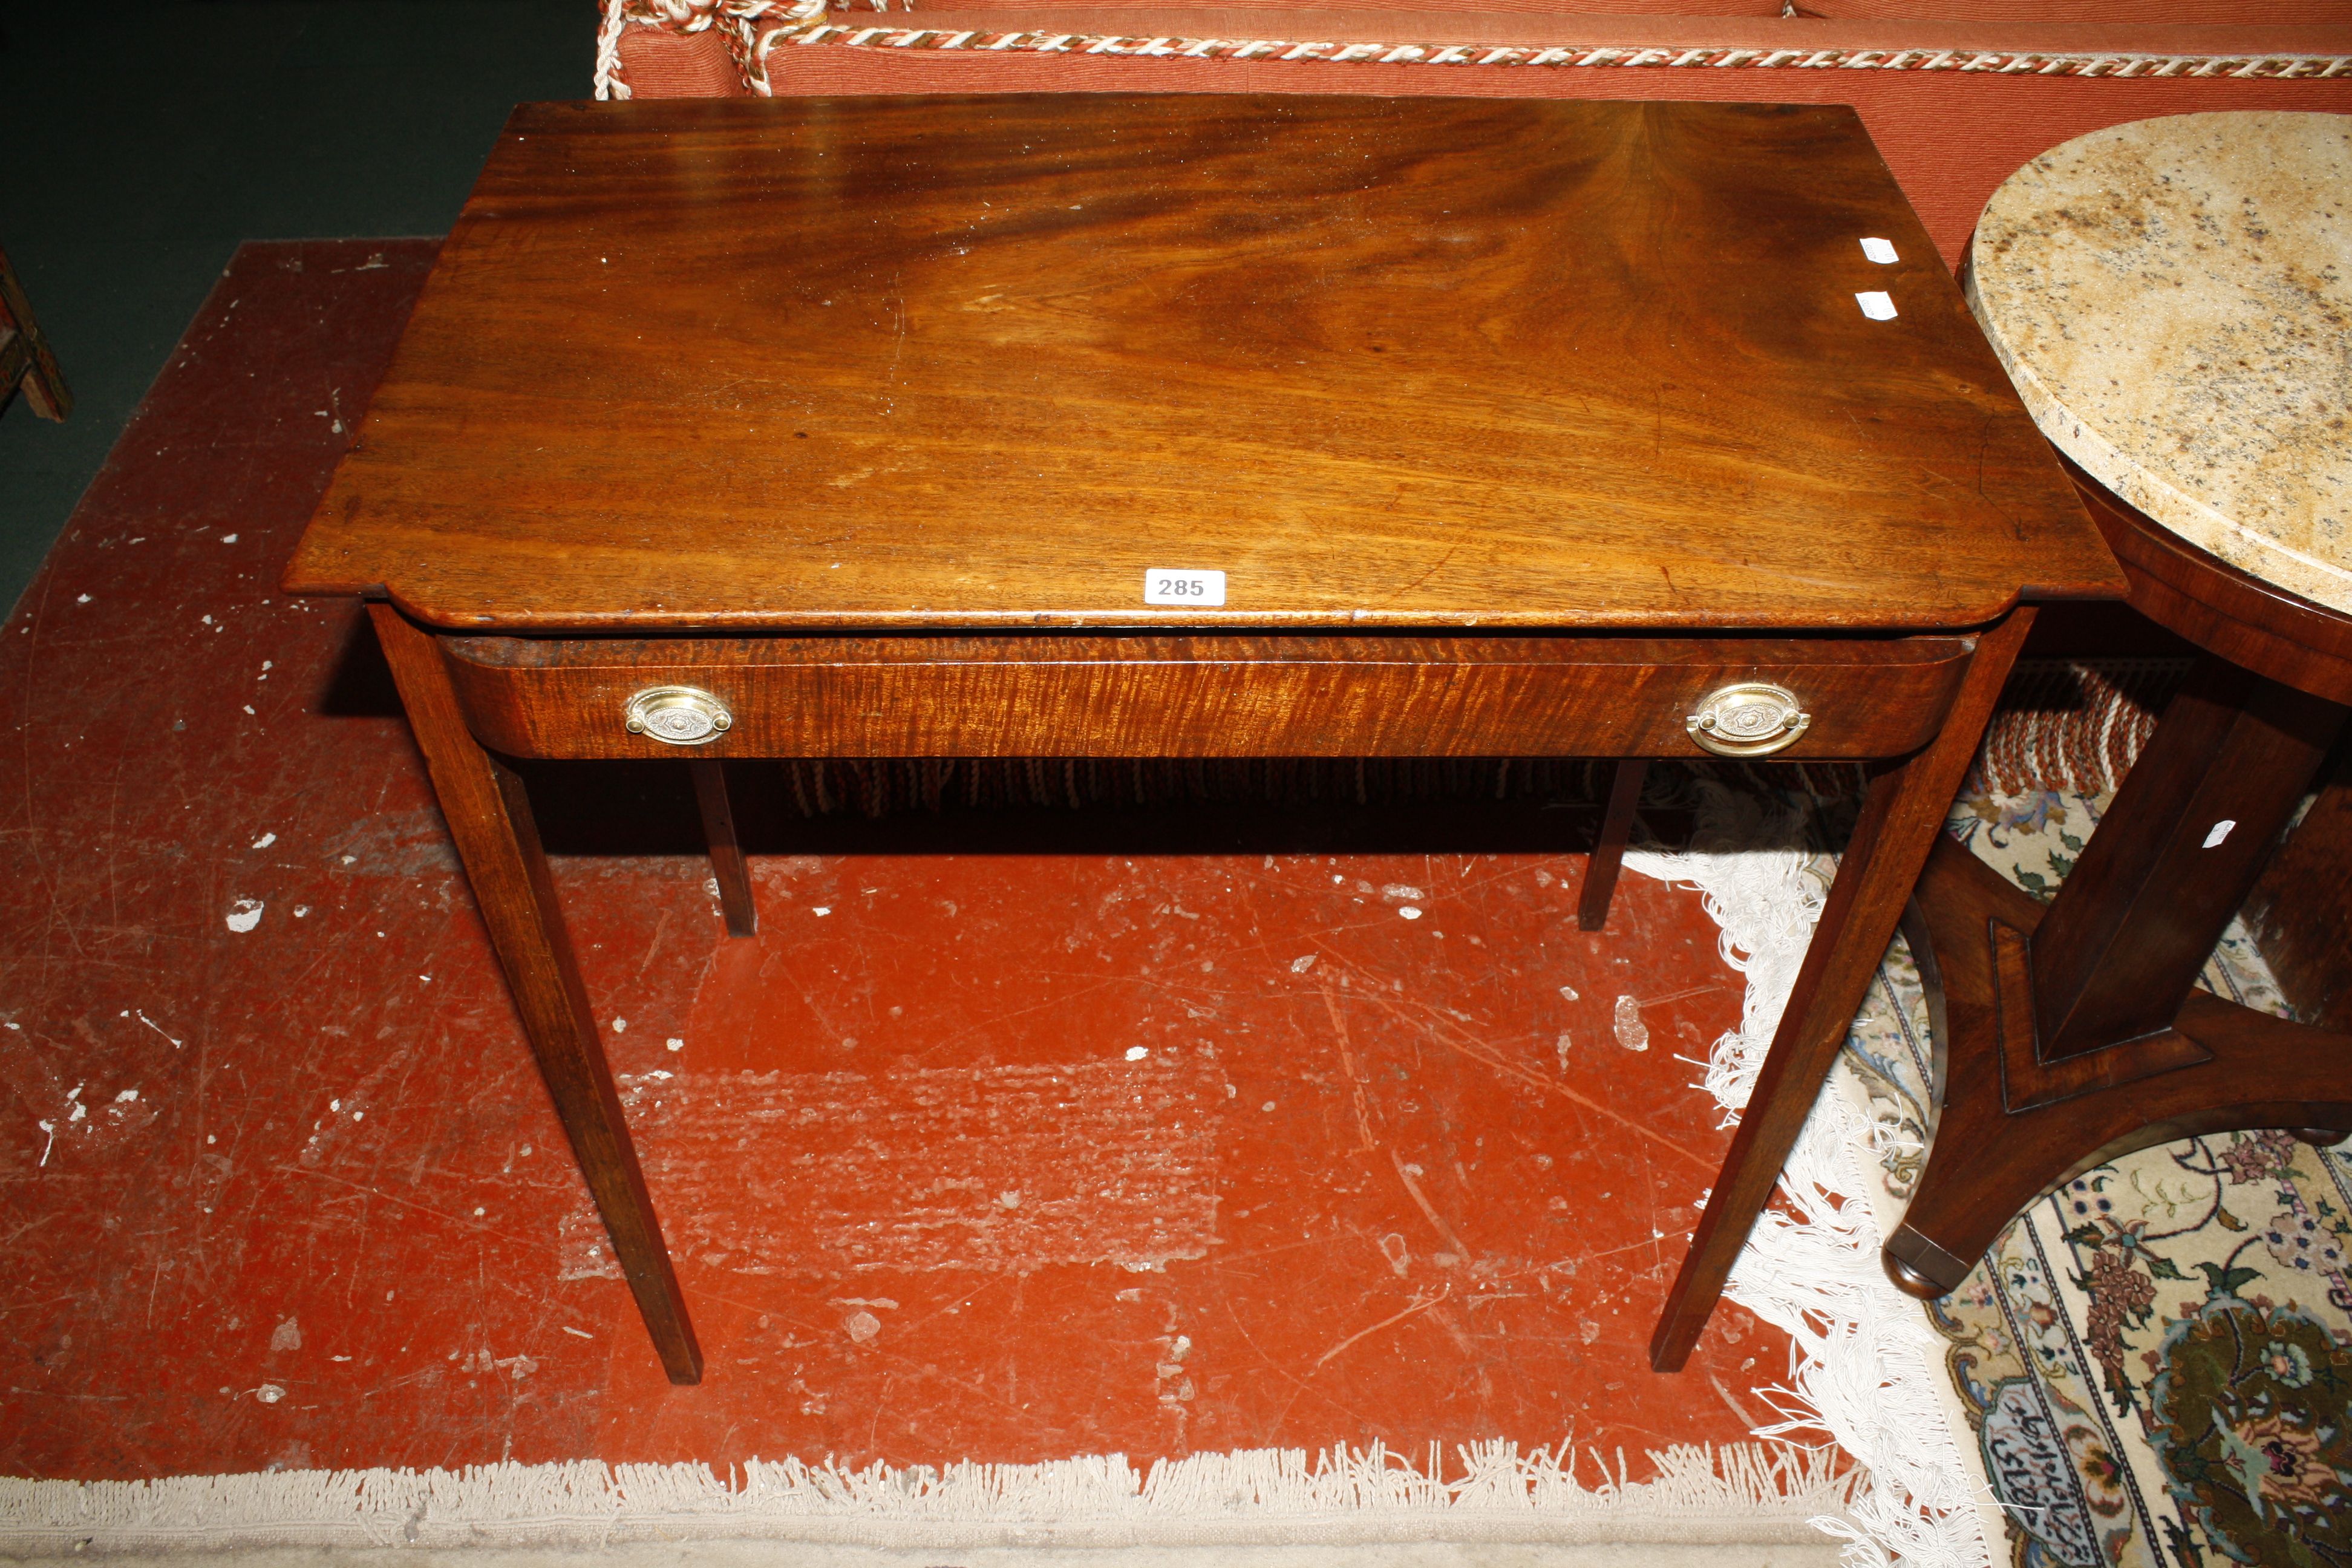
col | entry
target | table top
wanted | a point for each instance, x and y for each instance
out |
(997, 361)
(2174, 300)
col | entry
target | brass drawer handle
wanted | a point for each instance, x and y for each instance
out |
(679, 715)
(1748, 720)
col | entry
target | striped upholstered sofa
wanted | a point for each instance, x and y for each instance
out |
(1957, 93)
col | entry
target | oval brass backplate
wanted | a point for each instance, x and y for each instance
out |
(679, 715)
(1751, 719)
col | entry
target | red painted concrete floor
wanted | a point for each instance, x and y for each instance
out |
(1011, 1137)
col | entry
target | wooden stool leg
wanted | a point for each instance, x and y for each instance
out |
(1608, 857)
(727, 866)
(1900, 818)
(489, 818)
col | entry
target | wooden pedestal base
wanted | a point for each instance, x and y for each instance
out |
(2069, 1036)
(2072, 1035)
(2013, 1127)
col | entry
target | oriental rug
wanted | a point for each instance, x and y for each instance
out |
(2154, 1364)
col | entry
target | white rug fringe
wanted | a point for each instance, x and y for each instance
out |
(1863, 1363)
(1741, 1493)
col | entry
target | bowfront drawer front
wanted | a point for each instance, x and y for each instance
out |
(1206, 697)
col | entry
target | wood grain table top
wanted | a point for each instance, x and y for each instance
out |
(986, 362)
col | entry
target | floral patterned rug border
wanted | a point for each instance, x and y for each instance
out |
(2154, 1362)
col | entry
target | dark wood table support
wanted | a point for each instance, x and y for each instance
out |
(2200, 812)
(489, 819)
(727, 866)
(1608, 858)
(2016, 1122)
(1901, 818)
(2072, 1035)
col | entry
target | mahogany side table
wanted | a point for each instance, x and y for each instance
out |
(1107, 427)
(2172, 298)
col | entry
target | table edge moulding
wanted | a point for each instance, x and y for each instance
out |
(614, 501)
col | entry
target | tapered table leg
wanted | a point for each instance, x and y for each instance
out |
(1900, 818)
(1608, 857)
(726, 865)
(489, 819)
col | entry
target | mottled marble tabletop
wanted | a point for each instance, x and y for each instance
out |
(2173, 298)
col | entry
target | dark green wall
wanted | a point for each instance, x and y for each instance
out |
(138, 143)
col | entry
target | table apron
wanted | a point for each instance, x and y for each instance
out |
(1197, 697)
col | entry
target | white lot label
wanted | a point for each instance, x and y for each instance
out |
(1880, 250)
(1168, 585)
(1876, 305)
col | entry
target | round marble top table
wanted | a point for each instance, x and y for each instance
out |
(2173, 298)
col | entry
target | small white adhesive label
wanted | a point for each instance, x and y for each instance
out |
(1876, 304)
(1171, 586)
(2220, 831)
(1880, 250)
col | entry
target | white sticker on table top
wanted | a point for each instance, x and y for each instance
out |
(1880, 250)
(1186, 587)
(1877, 304)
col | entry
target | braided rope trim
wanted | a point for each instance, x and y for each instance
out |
(737, 20)
(835, 35)
(2075, 726)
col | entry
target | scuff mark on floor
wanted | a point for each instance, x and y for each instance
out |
(997, 1168)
